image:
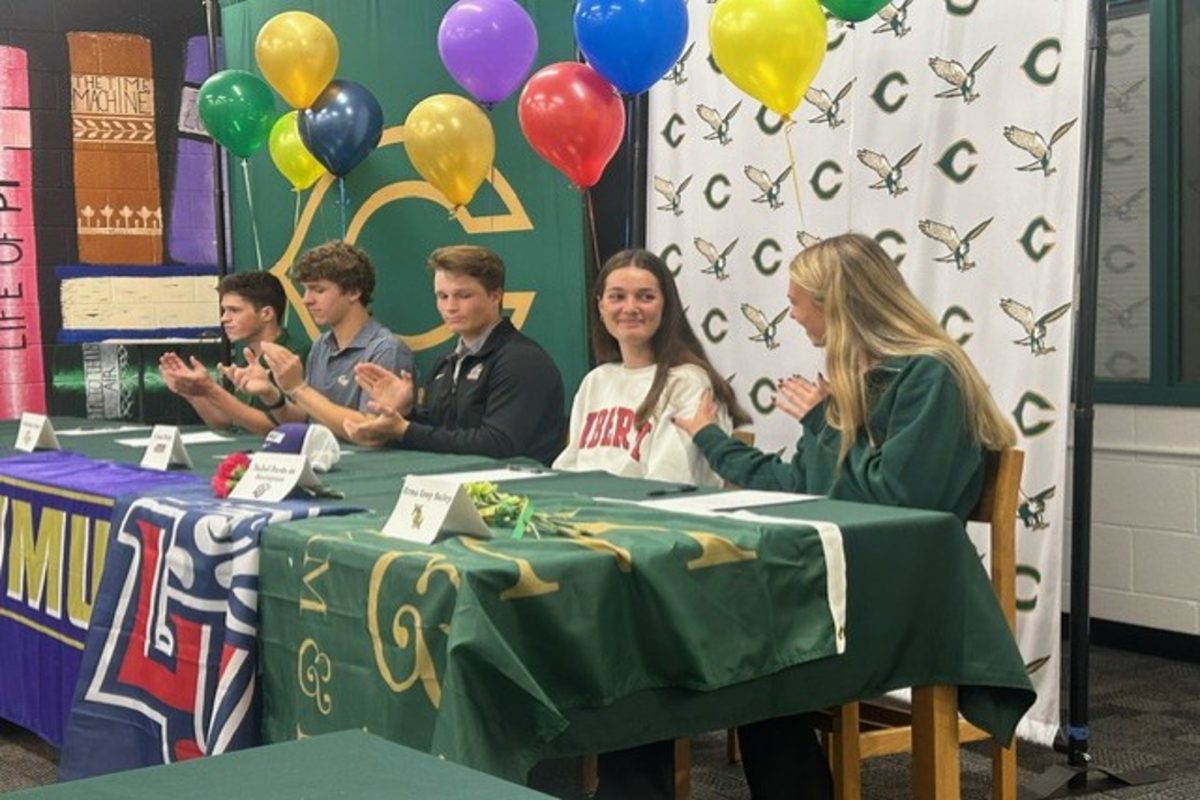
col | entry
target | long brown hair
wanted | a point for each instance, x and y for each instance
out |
(673, 344)
(870, 315)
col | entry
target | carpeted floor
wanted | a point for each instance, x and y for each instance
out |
(1145, 713)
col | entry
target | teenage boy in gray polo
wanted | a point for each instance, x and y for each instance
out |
(338, 280)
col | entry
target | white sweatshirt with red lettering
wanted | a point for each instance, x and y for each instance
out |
(603, 436)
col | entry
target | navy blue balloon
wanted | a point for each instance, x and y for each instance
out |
(632, 43)
(342, 126)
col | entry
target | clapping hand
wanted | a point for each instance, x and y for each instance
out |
(250, 379)
(182, 378)
(377, 430)
(388, 391)
(796, 396)
(285, 366)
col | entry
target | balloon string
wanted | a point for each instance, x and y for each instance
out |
(296, 215)
(787, 137)
(253, 221)
(591, 216)
(342, 202)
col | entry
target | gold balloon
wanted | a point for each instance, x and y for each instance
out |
(298, 55)
(290, 155)
(770, 49)
(451, 143)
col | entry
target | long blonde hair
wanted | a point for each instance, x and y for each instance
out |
(871, 315)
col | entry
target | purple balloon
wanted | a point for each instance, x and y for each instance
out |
(488, 46)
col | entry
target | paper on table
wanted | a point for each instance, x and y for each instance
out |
(195, 437)
(726, 501)
(102, 429)
(492, 475)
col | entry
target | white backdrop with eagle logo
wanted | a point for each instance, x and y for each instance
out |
(949, 130)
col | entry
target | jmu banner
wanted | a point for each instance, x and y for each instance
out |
(54, 532)
(948, 130)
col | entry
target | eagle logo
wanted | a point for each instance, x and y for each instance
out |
(889, 176)
(767, 329)
(1032, 510)
(717, 261)
(1123, 316)
(828, 106)
(1033, 143)
(959, 246)
(677, 74)
(1035, 329)
(770, 188)
(1113, 206)
(807, 239)
(671, 194)
(418, 515)
(718, 123)
(962, 80)
(894, 19)
(1121, 100)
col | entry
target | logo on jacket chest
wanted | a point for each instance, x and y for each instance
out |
(614, 427)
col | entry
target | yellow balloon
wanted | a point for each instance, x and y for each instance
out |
(451, 143)
(290, 155)
(298, 55)
(770, 49)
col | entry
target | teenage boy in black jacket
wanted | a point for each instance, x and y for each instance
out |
(497, 393)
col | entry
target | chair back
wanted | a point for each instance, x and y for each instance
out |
(997, 507)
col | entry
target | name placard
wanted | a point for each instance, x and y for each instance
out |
(429, 508)
(35, 433)
(166, 449)
(273, 476)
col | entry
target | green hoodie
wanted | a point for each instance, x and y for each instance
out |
(925, 456)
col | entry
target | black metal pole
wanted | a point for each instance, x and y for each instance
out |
(1084, 380)
(635, 140)
(212, 22)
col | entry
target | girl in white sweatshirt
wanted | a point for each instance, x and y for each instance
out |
(652, 368)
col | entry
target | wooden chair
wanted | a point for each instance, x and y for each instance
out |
(865, 729)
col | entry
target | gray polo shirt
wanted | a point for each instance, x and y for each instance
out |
(331, 371)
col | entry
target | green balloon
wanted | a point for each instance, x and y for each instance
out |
(238, 110)
(854, 10)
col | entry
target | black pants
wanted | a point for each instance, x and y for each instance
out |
(783, 760)
(639, 773)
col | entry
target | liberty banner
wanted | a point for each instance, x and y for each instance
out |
(949, 131)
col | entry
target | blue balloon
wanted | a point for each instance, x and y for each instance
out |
(342, 126)
(632, 43)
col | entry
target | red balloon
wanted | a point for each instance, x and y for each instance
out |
(573, 118)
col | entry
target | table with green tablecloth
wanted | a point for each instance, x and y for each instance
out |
(649, 625)
(348, 764)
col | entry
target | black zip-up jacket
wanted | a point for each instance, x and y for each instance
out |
(508, 401)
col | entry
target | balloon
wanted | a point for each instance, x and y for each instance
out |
(298, 55)
(451, 143)
(632, 43)
(343, 126)
(854, 10)
(770, 49)
(488, 46)
(291, 158)
(237, 109)
(573, 118)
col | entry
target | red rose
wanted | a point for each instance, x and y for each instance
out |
(229, 472)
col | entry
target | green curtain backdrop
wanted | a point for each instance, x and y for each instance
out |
(391, 48)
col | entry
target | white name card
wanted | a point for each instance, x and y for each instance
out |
(166, 449)
(35, 433)
(273, 476)
(429, 507)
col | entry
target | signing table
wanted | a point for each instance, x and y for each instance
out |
(638, 625)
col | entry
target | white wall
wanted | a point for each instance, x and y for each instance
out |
(1145, 518)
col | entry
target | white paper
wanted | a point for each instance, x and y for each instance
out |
(166, 449)
(493, 475)
(101, 430)
(430, 505)
(35, 433)
(273, 476)
(725, 501)
(194, 437)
